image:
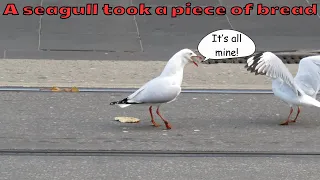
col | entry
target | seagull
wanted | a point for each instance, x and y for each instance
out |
(298, 91)
(163, 89)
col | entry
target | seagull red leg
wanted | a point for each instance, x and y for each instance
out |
(295, 119)
(152, 119)
(165, 121)
(288, 120)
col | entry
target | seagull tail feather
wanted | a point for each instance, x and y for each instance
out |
(123, 103)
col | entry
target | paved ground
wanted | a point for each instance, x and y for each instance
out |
(98, 168)
(223, 123)
(85, 121)
(146, 37)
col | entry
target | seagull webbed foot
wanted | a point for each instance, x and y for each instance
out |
(286, 122)
(155, 124)
(168, 125)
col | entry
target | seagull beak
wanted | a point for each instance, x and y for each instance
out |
(194, 61)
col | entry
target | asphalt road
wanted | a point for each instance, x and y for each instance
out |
(98, 168)
(201, 122)
(146, 37)
(222, 123)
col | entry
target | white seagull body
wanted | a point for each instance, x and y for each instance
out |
(163, 89)
(298, 91)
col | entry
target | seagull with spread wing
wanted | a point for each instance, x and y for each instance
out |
(163, 89)
(298, 91)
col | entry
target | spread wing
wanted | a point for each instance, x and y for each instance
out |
(271, 65)
(308, 75)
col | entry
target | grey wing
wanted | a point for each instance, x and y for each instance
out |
(131, 97)
(160, 90)
(308, 75)
(134, 98)
(269, 64)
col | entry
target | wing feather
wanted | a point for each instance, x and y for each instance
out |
(308, 75)
(269, 64)
(158, 90)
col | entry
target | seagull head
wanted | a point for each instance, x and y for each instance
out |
(189, 56)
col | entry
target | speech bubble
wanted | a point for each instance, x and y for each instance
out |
(223, 44)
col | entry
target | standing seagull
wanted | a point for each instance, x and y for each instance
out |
(164, 88)
(298, 91)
